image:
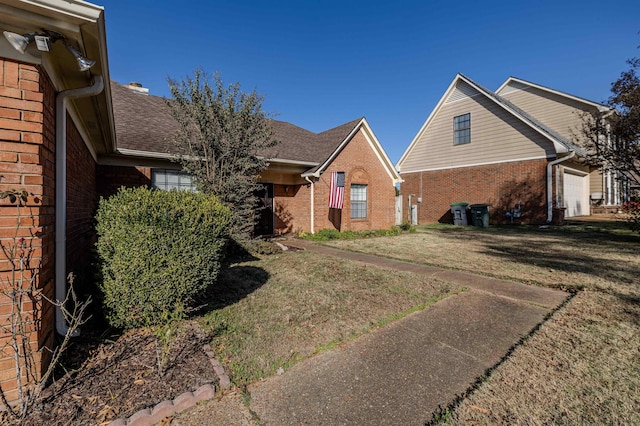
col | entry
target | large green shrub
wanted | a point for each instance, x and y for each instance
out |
(158, 250)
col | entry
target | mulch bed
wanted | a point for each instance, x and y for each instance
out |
(117, 379)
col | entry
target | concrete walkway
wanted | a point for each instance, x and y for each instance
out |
(401, 373)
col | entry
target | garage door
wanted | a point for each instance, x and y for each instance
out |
(576, 194)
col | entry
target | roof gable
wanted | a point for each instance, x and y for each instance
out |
(514, 83)
(347, 131)
(463, 87)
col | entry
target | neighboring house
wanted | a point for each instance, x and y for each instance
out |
(296, 184)
(65, 139)
(516, 149)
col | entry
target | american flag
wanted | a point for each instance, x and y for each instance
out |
(336, 190)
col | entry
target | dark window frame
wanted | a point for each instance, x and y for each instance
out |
(185, 180)
(462, 129)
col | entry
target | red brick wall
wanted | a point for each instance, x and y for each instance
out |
(361, 166)
(291, 208)
(111, 178)
(501, 186)
(27, 124)
(82, 201)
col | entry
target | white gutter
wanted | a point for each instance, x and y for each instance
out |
(61, 192)
(549, 183)
(312, 201)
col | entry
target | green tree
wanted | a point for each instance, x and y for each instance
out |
(613, 138)
(222, 131)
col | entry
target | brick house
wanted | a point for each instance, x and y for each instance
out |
(296, 184)
(67, 139)
(55, 122)
(517, 150)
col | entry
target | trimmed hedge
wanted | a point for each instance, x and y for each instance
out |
(334, 234)
(157, 250)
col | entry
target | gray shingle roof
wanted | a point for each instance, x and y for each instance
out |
(144, 123)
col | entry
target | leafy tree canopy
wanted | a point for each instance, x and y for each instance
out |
(614, 137)
(222, 131)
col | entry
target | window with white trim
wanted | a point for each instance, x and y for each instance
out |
(358, 201)
(171, 179)
(462, 129)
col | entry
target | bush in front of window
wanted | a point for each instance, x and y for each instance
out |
(158, 250)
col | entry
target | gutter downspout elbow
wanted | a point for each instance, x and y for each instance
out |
(60, 283)
(549, 183)
(312, 203)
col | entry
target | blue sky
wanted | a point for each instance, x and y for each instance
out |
(323, 63)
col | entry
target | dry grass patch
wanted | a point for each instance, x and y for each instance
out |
(285, 307)
(559, 258)
(581, 367)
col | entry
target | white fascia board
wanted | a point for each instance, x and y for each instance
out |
(293, 162)
(486, 163)
(335, 153)
(380, 152)
(104, 63)
(145, 154)
(428, 121)
(600, 107)
(77, 9)
(173, 157)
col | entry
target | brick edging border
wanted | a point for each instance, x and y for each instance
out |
(151, 416)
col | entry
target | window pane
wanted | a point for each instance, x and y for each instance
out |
(462, 129)
(171, 179)
(358, 201)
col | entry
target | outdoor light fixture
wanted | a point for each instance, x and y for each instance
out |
(43, 43)
(19, 42)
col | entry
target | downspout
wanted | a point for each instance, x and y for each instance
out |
(312, 201)
(549, 183)
(61, 192)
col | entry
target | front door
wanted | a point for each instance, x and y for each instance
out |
(264, 209)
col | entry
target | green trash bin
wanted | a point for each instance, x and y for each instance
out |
(459, 213)
(479, 215)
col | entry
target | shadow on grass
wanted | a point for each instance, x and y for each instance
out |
(532, 245)
(235, 282)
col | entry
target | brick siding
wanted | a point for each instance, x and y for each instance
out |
(502, 186)
(111, 178)
(292, 204)
(82, 200)
(27, 146)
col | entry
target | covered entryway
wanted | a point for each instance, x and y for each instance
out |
(264, 210)
(576, 193)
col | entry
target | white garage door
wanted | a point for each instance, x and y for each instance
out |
(576, 194)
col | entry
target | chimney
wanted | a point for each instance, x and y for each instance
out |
(137, 87)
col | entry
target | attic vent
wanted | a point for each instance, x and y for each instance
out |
(514, 86)
(137, 87)
(462, 91)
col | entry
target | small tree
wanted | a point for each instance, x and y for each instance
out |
(22, 295)
(222, 130)
(613, 138)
